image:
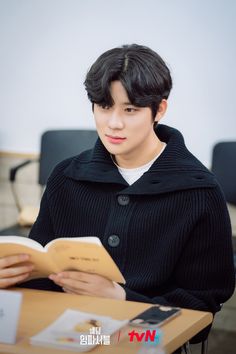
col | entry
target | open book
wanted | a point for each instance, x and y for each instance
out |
(86, 254)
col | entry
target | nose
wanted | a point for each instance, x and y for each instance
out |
(115, 121)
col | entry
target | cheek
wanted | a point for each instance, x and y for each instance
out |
(100, 121)
(141, 125)
(100, 127)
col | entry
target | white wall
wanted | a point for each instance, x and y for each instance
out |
(46, 47)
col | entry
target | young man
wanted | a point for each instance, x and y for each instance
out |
(157, 210)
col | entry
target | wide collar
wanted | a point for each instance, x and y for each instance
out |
(175, 169)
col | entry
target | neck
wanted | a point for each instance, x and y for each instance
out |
(139, 159)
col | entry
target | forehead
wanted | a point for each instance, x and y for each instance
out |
(118, 93)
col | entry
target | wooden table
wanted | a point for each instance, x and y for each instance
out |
(40, 308)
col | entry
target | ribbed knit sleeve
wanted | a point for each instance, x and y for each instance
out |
(204, 275)
(42, 230)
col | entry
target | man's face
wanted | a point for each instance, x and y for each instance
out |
(124, 129)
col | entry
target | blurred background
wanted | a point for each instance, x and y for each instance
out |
(46, 48)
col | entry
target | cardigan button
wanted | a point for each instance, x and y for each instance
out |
(123, 199)
(113, 240)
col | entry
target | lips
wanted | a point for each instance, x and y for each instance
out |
(114, 139)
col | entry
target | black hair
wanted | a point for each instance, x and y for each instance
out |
(143, 73)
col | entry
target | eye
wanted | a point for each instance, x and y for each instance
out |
(103, 106)
(130, 109)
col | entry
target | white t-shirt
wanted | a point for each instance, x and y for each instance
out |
(131, 175)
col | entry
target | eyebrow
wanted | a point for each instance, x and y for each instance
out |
(128, 104)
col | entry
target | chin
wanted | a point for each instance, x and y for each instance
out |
(109, 147)
(111, 150)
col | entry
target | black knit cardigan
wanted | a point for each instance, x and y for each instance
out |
(173, 229)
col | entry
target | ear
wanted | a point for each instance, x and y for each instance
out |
(161, 110)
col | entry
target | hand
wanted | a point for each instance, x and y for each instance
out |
(12, 271)
(75, 282)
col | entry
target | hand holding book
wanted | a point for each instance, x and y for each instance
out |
(84, 254)
(14, 269)
(74, 282)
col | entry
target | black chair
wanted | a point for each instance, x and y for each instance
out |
(56, 145)
(224, 167)
(186, 348)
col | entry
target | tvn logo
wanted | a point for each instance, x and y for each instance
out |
(152, 337)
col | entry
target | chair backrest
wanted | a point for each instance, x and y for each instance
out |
(224, 168)
(57, 145)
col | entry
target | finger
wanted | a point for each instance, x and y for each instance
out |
(15, 271)
(75, 291)
(5, 283)
(72, 290)
(69, 283)
(77, 275)
(68, 291)
(11, 260)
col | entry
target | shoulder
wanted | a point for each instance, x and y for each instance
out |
(209, 206)
(60, 173)
(215, 199)
(70, 163)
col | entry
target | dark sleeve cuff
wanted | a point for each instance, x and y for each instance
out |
(40, 284)
(134, 296)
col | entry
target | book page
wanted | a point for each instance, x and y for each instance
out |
(20, 240)
(88, 239)
(13, 245)
(79, 253)
(69, 254)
